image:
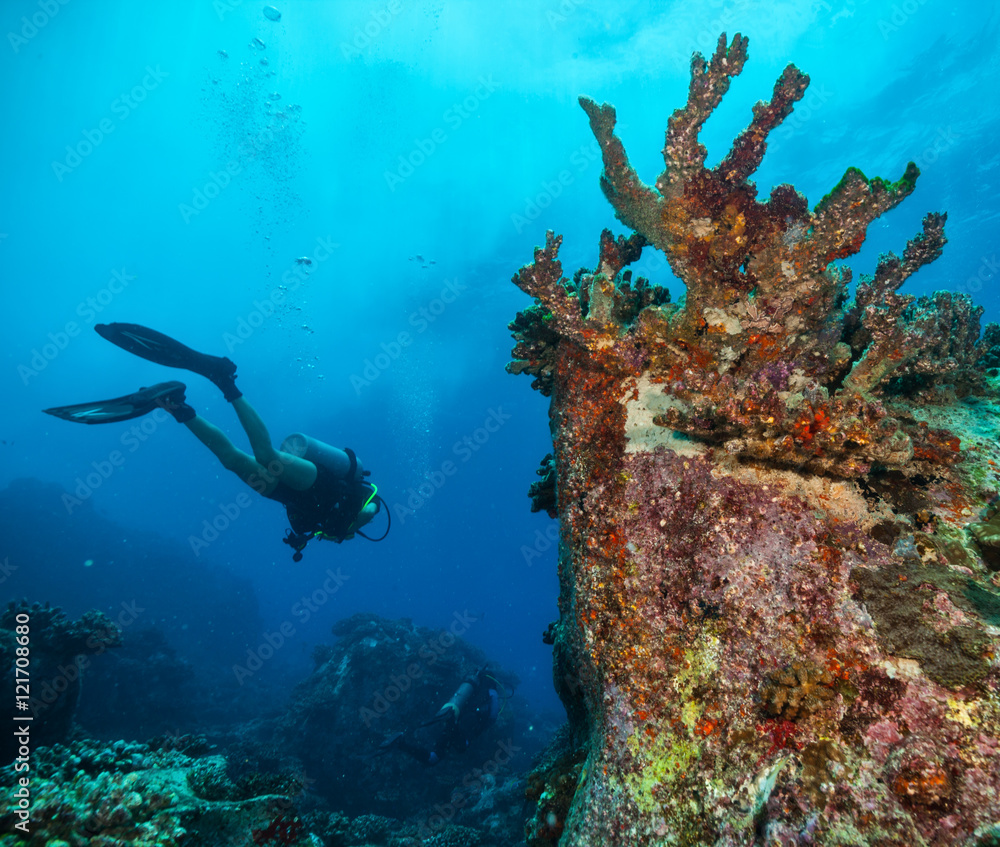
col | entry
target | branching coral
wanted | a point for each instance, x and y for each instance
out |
(762, 355)
(989, 347)
(883, 340)
(543, 492)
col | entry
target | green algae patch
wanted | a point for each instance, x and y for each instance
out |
(661, 763)
(904, 185)
(700, 665)
(690, 712)
(850, 174)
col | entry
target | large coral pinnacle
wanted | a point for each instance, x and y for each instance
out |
(776, 624)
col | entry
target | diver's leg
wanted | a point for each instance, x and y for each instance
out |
(232, 458)
(415, 751)
(294, 472)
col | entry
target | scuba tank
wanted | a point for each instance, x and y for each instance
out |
(457, 702)
(451, 710)
(333, 459)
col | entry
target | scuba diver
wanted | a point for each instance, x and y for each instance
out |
(472, 709)
(323, 488)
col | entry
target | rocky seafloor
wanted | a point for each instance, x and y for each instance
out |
(308, 773)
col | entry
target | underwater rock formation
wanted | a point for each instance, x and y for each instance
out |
(103, 794)
(776, 622)
(386, 676)
(60, 652)
(142, 688)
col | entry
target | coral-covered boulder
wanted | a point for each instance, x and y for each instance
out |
(381, 677)
(54, 654)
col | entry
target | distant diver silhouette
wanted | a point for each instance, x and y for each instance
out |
(470, 711)
(324, 489)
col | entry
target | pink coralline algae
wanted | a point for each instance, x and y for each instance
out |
(779, 617)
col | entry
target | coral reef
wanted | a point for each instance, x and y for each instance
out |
(543, 492)
(61, 652)
(777, 621)
(275, 781)
(99, 794)
(102, 794)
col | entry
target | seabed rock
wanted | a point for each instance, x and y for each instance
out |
(777, 625)
(59, 651)
(385, 676)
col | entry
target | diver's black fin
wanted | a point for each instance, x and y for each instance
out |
(391, 741)
(142, 402)
(156, 347)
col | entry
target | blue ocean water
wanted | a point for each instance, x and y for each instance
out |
(337, 200)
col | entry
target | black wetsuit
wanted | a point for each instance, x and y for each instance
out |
(330, 505)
